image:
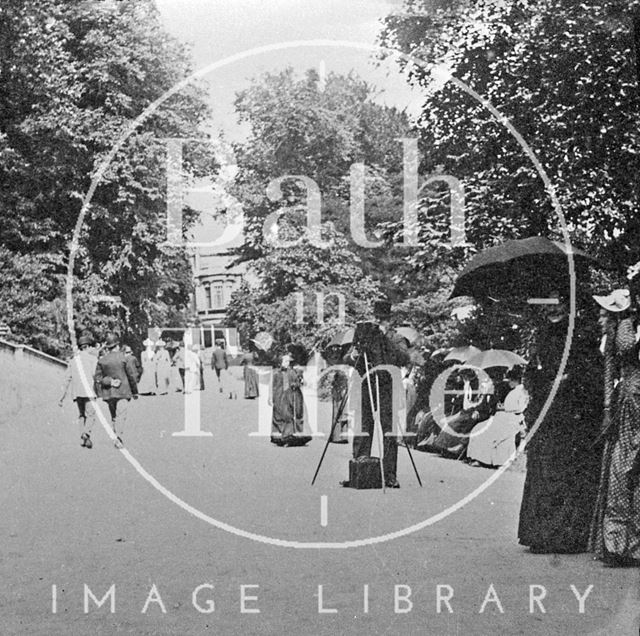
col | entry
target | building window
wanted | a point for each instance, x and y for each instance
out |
(207, 293)
(228, 290)
(218, 296)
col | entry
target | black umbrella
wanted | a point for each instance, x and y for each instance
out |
(533, 266)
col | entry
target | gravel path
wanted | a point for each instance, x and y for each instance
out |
(72, 517)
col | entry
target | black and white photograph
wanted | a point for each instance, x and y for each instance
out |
(319, 317)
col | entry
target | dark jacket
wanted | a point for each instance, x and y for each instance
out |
(114, 365)
(135, 365)
(219, 359)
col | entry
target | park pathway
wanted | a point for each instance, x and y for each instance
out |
(72, 517)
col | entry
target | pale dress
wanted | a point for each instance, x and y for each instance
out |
(147, 382)
(493, 441)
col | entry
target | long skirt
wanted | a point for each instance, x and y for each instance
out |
(454, 437)
(251, 390)
(616, 526)
(191, 380)
(339, 399)
(560, 486)
(287, 422)
(147, 384)
(427, 431)
(163, 370)
(176, 379)
(493, 441)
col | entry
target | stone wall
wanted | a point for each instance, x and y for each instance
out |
(30, 382)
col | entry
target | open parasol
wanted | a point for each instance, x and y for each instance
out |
(462, 354)
(496, 358)
(342, 338)
(416, 358)
(533, 266)
(263, 340)
(409, 333)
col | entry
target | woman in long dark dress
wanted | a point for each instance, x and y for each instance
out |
(615, 534)
(250, 376)
(563, 456)
(287, 421)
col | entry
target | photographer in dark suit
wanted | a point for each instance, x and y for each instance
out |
(376, 344)
(115, 380)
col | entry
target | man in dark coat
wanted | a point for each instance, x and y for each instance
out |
(133, 361)
(381, 346)
(115, 381)
(220, 362)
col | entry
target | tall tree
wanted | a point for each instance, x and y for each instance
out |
(299, 126)
(73, 78)
(563, 73)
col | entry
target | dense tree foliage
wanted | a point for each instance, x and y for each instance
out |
(299, 128)
(73, 78)
(285, 302)
(563, 73)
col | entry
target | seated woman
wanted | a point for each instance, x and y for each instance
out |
(424, 423)
(492, 443)
(454, 437)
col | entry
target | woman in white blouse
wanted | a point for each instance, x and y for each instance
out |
(493, 442)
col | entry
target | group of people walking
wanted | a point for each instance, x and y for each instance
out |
(582, 485)
(184, 371)
(112, 372)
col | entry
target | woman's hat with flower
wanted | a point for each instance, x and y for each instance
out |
(618, 300)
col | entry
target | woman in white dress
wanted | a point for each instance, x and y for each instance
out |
(492, 442)
(147, 384)
(192, 365)
(163, 367)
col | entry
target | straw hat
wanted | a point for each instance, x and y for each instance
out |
(618, 300)
(263, 340)
(160, 343)
(148, 342)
